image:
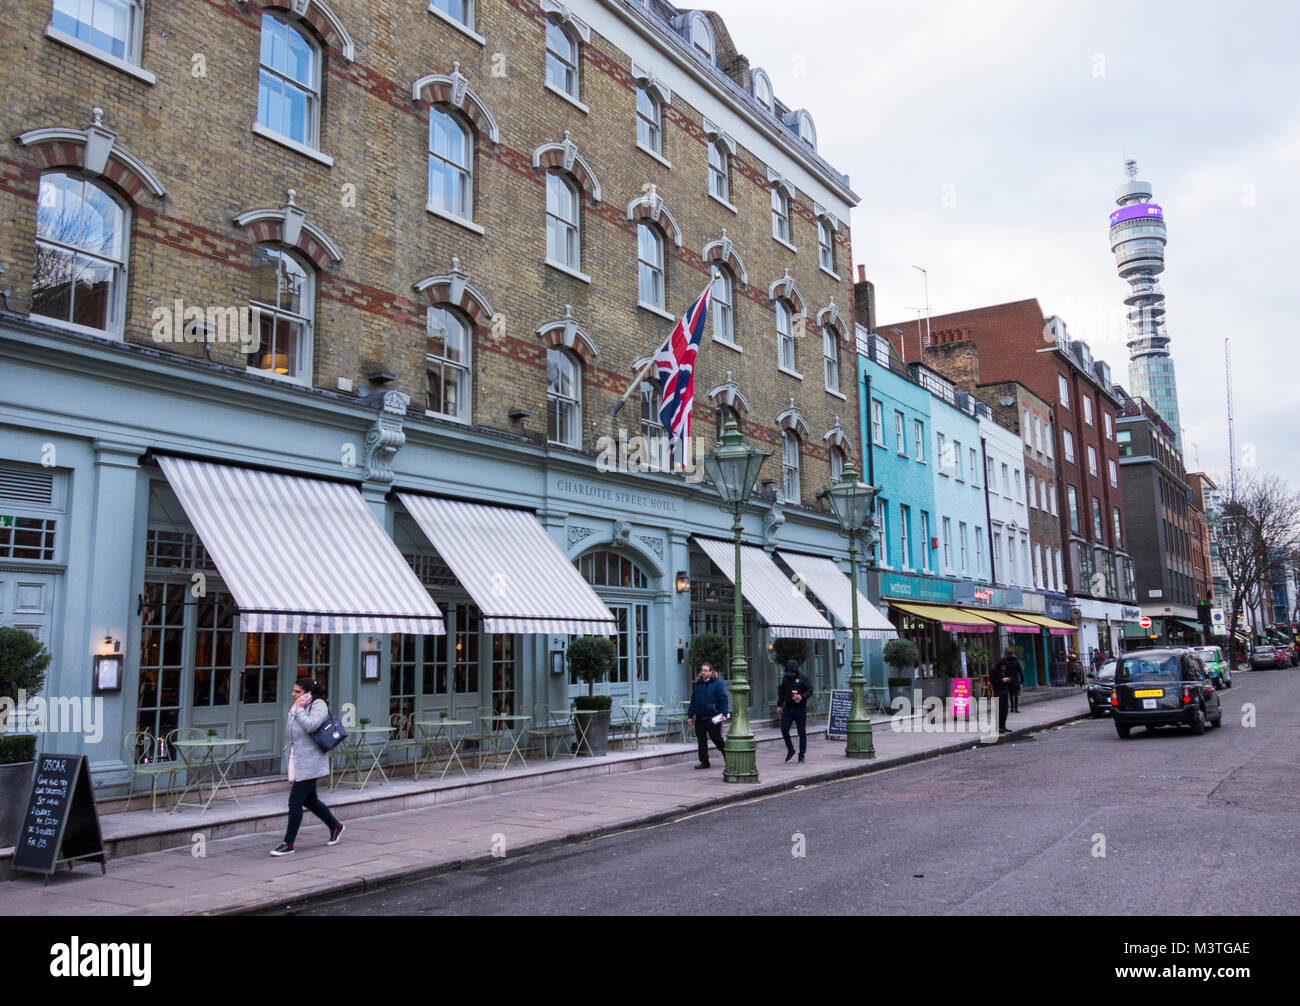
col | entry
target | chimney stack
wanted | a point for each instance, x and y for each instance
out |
(864, 301)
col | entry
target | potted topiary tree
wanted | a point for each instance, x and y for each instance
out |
(901, 655)
(23, 659)
(709, 648)
(591, 658)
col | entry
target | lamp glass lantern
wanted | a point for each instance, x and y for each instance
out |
(733, 466)
(852, 501)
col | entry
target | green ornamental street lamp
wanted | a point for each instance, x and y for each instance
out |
(853, 502)
(733, 466)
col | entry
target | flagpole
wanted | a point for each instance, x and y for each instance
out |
(641, 374)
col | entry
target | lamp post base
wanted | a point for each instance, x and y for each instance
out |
(859, 743)
(740, 760)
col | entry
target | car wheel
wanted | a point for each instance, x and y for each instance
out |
(1122, 729)
(1096, 713)
(1217, 721)
(1198, 724)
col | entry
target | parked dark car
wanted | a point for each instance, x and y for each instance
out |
(1166, 687)
(1100, 685)
(1268, 655)
(1216, 665)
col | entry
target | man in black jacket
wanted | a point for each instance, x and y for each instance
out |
(792, 703)
(708, 699)
(1005, 671)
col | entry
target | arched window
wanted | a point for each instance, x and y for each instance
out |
(447, 369)
(649, 122)
(837, 467)
(784, 336)
(563, 399)
(702, 37)
(650, 265)
(658, 445)
(831, 356)
(283, 297)
(724, 326)
(722, 414)
(719, 171)
(288, 86)
(807, 131)
(825, 244)
(561, 60)
(79, 275)
(609, 569)
(763, 89)
(780, 214)
(451, 165)
(563, 245)
(790, 465)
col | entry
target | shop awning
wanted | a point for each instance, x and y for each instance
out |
(1188, 623)
(300, 554)
(834, 589)
(1056, 628)
(778, 601)
(1012, 623)
(951, 619)
(514, 571)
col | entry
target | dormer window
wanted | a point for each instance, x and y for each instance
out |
(807, 131)
(762, 86)
(702, 36)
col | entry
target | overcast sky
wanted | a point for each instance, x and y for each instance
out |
(986, 140)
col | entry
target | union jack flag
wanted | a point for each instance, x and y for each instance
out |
(675, 368)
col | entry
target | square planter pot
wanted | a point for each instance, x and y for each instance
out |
(15, 786)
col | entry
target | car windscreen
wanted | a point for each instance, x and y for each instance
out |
(1106, 672)
(1148, 667)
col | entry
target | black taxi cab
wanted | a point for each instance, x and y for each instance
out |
(1164, 687)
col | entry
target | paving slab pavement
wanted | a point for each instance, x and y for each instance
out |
(236, 875)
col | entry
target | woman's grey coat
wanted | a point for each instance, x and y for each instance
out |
(309, 761)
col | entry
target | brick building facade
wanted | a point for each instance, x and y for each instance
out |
(1016, 342)
(465, 227)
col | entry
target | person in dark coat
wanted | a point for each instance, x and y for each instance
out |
(708, 699)
(1017, 680)
(1004, 672)
(792, 697)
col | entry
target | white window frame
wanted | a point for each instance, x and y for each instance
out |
(313, 90)
(1110, 425)
(947, 543)
(825, 244)
(722, 308)
(974, 469)
(650, 123)
(559, 226)
(571, 435)
(701, 37)
(1092, 461)
(1087, 409)
(961, 532)
(464, 366)
(877, 422)
(918, 429)
(900, 433)
(1024, 423)
(1063, 388)
(904, 536)
(925, 541)
(1032, 482)
(650, 283)
(1114, 473)
(780, 214)
(563, 65)
(831, 358)
(465, 171)
(882, 532)
(785, 341)
(133, 43)
(979, 551)
(1118, 535)
(719, 171)
(1072, 508)
(115, 326)
(305, 317)
(956, 454)
(790, 485)
(1020, 496)
(1067, 438)
(837, 465)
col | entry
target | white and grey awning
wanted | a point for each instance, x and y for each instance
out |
(832, 587)
(515, 572)
(300, 554)
(778, 600)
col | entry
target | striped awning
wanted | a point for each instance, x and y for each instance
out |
(777, 599)
(515, 572)
(300, 554)
(950, 619)
(832, 587)
(1012, 623)
(1056, 628)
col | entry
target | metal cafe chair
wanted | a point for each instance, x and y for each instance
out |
(548, 730)
(151, 760)
(405, 742)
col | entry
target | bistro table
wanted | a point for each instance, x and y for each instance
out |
(635, 717)
(443, 730)
(356, 747)
(201, 753)
(499, 732)
(675, 721)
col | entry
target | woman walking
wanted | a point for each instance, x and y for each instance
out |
(307, 763)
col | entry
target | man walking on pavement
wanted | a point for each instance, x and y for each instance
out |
(708, 700)
(1004, 671)
(792, 697)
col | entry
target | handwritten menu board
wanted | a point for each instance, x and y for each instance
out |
(61, 824)
(837, 723)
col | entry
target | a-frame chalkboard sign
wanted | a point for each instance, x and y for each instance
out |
(61, 824)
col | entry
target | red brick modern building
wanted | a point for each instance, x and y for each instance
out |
(1017, 342)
